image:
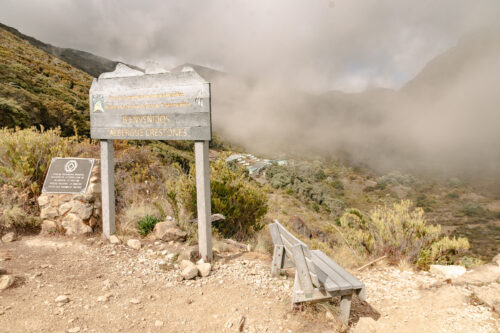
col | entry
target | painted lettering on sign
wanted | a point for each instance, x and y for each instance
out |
(146, 132)
(145, 106)
(146, 96)
(145, 119)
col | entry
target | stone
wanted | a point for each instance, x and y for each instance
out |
(300, 226)
(62, 299)
(74, 225)
(48, 226)
(135, 301)
(75, 329)
(448, 271)
(190, 253)
(158, 323)
(95, 188)
(185, 263)
(80, 209)
(329, 315)
(43, 200)
(201, 261)
(169, 231)
(113, 239)
(3, 271)
(496, 260)
(49, 212)
(204, 269)
(9, 237)
(6, 281)
(480, 275)
(189, 272)
(134, 244)
(489, 295)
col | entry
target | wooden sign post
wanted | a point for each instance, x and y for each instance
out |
(155, 105)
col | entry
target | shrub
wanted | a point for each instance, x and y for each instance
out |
(233, 195)
(147, 224)
(400, 232)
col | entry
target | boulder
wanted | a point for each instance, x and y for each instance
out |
(9, 237)
(489, 295)
(80, 209)
(49, 226)
(49, 213)
(480, 275)
(74, 225)
(190, 253)
(300, 226)
(185, 264)
(189, 272)
(204, 269)
(113, 239)
(448, 271)
(169, 231)
(43, 200)
(6, 281)
(134, 244)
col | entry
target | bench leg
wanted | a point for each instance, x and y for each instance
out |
(345, 308)
(279, 252)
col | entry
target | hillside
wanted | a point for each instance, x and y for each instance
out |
(85, 61)
(38, 89)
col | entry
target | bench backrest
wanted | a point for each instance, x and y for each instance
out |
(297, 252)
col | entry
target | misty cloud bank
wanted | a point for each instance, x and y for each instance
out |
(284, 58)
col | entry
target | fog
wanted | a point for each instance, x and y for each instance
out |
(345, 79)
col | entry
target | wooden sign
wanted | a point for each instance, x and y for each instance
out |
(163, 106)
(68, 175)
(153, 105)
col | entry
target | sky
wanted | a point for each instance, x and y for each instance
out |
(315, 45)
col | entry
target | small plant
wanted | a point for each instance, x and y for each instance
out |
(147, 224)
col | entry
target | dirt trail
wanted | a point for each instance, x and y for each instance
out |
(112, 288)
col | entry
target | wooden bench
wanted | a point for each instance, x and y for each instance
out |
(317, 277)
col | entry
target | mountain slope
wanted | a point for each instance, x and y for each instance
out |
(37, 88)
(85, 61)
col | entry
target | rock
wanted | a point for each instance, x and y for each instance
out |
(169, 231)
(190, 253)
(49, 212)
(74, 329)
(74, 225)
(496, 260)
(134, 244)
(448, 271)
(135, 301)
(6, 281)
(95, 188)
(62, 299)
(329, 315)
(48, 226)
(201, 261)
(113, 239)
(158, 323)
(43, 200)
(480, 275)
(300, 226)
(9, 237)
(189, 272)
(365, 325)
(489, 295)
(80, 209)
(185, 264)
(204, 269)
(3, 271)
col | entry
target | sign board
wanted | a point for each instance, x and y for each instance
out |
(153, 105)
(162, 106)
(68, 175)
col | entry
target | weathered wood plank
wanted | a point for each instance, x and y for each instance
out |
(277, 264)
(355, 283)
(303, 273)
(203, 201)
(345, 308)
(275, 234)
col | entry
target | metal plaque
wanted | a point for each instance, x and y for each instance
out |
(68, 175)
(129, 104)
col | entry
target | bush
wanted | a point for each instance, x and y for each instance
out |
(400, 232)
(147, 224)
(233, 195)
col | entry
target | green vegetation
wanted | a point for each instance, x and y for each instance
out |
(146, 224)
(234, 195)
(37, 89)
(400, 232)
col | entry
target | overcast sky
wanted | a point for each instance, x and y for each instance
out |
(317, 44)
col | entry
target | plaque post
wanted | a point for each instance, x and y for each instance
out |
(203, 199)
(108, 188)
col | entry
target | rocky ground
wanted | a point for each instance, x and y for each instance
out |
(65, 284)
